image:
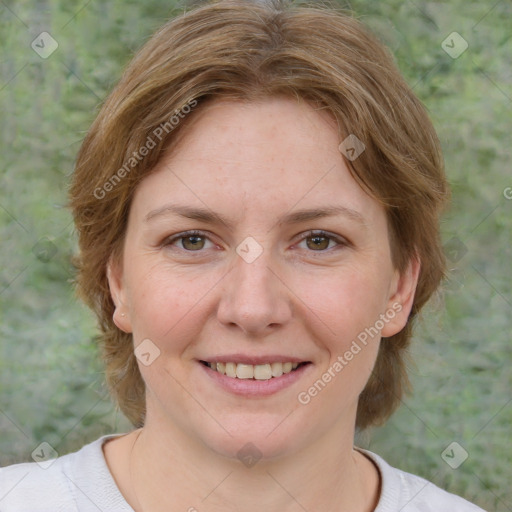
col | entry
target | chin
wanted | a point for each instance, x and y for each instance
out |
(248, 446)
(258, 436)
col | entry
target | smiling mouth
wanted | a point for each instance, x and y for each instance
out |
(255, 372)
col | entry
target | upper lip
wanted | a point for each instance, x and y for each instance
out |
(254, 360)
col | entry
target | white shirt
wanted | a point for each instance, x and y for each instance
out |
(82, 482)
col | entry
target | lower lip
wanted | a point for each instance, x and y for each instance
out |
(253, 387)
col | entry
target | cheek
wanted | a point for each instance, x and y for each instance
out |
(341, 307)
(166, 305)
(347, 303)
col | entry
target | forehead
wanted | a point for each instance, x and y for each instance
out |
(262, 158)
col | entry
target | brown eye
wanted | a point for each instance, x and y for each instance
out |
(321, 241)
(317, 242)
(192, 242)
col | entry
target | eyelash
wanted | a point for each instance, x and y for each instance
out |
(169, 241)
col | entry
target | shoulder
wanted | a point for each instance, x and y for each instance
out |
(410, 493)
(30, 486)
(78, 481)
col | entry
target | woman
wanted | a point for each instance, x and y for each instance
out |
(257, 206)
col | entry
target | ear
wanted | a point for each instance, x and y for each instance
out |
(401, 298)
(118, 293)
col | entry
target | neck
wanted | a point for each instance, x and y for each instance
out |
(169, 471)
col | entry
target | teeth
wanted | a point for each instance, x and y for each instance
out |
(249, 371)
(245, 371)
(231, 370)
(262, 372)
(277, 369)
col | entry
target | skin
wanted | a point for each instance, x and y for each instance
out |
(253, 163)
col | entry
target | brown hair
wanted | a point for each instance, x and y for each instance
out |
(243, 50)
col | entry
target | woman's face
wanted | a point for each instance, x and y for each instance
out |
(298, 271)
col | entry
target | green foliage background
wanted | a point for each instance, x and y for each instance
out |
(51, 381)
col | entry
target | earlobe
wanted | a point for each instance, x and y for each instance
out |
(122, 321)
(121, 317)
(402, 298)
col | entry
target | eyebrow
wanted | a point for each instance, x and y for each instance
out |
(295, 217)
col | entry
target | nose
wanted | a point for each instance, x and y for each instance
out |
(254, 297)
